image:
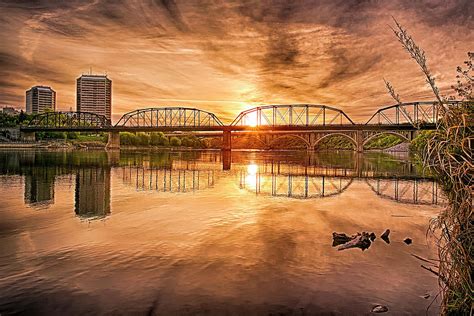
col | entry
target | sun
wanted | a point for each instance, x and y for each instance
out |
(251, 119)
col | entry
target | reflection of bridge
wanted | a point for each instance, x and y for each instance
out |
(414, 191)
(307, 177)
(167, 179)
(307, 122)
(293, 186)
(417, 191)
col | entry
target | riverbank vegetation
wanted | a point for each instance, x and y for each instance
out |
(8, 120)
(447, 153)
(159, 139)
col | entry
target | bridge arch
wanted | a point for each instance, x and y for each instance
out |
(412, 113)
(399, 135)
(299, 137)
(69, 120)
(169, 117)
(251, 136)
(351, 139)
(292, 115)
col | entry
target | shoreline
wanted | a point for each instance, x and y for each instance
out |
(65, 145)
(88, 146)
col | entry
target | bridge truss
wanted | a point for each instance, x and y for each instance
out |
(292, 115)
(69, 120)
(169, 117)
(413, 113)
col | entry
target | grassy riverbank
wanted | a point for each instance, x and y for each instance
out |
(447, 153)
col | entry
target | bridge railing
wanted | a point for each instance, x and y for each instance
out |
(292, 115)
(169, 117)
(69, 120)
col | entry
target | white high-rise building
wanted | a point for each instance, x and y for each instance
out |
(39, 99)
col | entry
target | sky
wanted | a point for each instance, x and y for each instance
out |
(225, 56)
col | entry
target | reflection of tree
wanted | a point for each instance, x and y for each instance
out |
(384, 163)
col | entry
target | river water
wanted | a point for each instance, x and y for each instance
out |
(160, 233)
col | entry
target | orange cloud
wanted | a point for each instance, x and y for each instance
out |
(225, 56)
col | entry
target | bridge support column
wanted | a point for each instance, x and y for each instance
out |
(359, 141)
(227, 140)
(267, 140)
(28, 136)
(226, 159)
(113, 141)
(313, 140)
(113, 158)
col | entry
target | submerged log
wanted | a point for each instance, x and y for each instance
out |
(361, 241)
(340, 238)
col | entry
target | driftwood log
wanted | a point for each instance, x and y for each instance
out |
(360, 240)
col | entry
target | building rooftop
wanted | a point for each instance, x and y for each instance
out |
(100, 77)
(41, 88)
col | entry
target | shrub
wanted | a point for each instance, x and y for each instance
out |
(71, 135)
(143, 139)
(187, 142)
(158, 139)
(55, 135)
(175, 141)
(127, 138)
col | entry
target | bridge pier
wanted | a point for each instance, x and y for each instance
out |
(28, 136)
(412, 135)
(226, 159)
(113, 143)
(227, 140)
(359, 138)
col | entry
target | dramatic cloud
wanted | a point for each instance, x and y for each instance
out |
(228, 55)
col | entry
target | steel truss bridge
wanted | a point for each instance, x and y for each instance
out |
(310, 123)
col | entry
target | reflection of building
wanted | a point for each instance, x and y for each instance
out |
(93, 192)
(39, 188)
(39, 99)
(94, 94)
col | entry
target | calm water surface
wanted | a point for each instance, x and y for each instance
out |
(173, 233)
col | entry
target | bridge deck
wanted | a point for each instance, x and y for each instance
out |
(230, 128)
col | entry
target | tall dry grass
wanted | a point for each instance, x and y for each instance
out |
(448, 154)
